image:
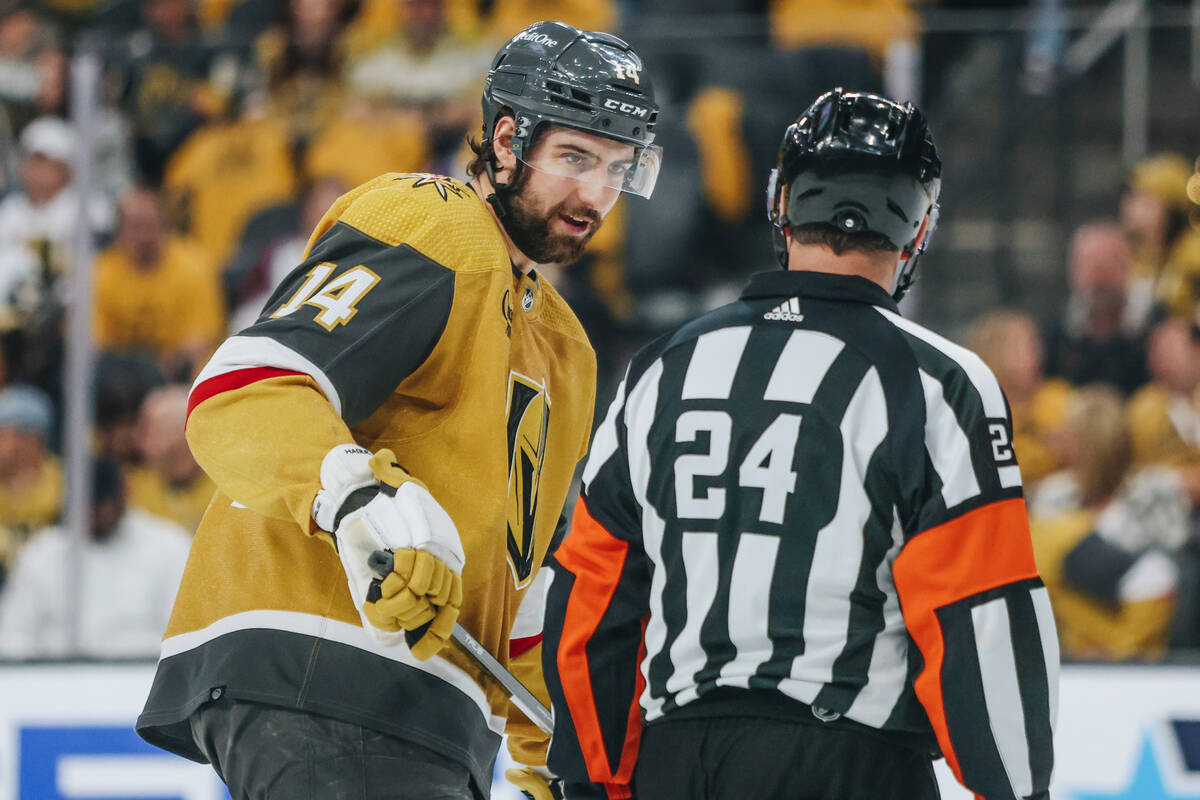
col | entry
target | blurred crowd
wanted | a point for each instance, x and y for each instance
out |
(225, 128)
(1105, 400)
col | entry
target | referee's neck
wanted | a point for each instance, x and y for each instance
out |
(877, 267)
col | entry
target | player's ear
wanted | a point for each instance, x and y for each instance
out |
(502, 144)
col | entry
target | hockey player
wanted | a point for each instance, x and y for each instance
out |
(801, 560)
(412, 386)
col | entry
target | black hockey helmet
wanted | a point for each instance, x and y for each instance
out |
(861, 163)
(593, 82)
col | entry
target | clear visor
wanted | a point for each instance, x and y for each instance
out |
(633, 170)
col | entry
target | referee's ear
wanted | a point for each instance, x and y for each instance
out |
(918, 242)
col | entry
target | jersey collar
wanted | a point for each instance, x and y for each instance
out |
(821, 285)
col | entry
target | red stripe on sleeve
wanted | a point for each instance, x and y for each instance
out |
(518, 646)
(229, 381)
(596, 558)
(981, 550)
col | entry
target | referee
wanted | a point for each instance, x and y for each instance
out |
(801, 565)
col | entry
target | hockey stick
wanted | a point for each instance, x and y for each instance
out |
(381, 563)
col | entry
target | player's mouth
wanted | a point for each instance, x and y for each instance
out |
(575, 225)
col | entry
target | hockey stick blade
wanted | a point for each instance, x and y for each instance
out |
(381, 563)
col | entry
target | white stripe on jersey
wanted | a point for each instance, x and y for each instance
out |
(977, 373)
(949, 448)
(888, 670)
(837, 554)
(656, 630)
(750, 607)
(1001, 691)
(604, 443)
(335, 631)
(714, 362)
(639, 415)
(802, 365)
(701, 570)
(1049, 636)
(980, 376)
(248, 352)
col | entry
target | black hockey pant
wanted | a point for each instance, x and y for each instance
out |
(267, 753)
(751, 758)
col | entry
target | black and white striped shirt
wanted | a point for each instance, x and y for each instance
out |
(804, 492)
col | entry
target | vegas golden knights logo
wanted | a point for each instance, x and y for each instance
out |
(528, 422)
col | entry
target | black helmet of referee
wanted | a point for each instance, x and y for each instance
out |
(862, 164)
(554, 73)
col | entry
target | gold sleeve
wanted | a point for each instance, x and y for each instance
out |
(263, 444)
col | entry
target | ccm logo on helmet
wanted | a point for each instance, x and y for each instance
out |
(625, 108)
(535, 38)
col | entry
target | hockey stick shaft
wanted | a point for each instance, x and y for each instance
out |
(381, 563)
(524, 699)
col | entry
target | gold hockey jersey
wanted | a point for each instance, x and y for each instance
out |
(405, 327)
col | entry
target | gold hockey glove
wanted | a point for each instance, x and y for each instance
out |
(534, 782)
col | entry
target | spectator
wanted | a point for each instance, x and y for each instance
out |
(428, 67)
(875, 26)
(1164, 416)
(29, 64)
(363, 143)
(225, 173)
(1166, 253)
(122, 383)
(508, 17)
(126, 570)
(1096, 342)
(1009, 344)
(268, 253)
(31, 480)
(172, 81)
(38, 222)
(1105, 534)
(301, 59)
(170, 484)
(156, 293)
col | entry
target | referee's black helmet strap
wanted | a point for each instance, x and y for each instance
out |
(555, 73)
(861, 163)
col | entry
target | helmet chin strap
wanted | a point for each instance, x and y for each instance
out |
(908, 265)
(499, 190)
(906, 276)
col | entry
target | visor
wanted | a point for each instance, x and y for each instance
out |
(636, 175)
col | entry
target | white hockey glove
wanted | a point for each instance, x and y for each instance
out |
(369, 503)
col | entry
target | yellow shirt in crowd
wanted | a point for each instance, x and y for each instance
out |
(1087, 627)
(184, 504)
(175, 305)
(1034, 426)
(224, 173)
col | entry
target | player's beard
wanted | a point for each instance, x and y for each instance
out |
(530, 226)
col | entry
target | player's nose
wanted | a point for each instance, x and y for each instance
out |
(596, 196)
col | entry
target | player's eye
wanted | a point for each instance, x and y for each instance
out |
(620, 167)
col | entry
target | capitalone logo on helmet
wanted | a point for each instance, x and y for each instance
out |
(535, 38)
(626, 108)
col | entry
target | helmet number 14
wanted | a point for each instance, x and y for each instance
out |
(626, 72)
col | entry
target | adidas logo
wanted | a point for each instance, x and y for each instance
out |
(786, 312)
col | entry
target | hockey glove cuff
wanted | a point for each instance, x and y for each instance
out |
(370, 503)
